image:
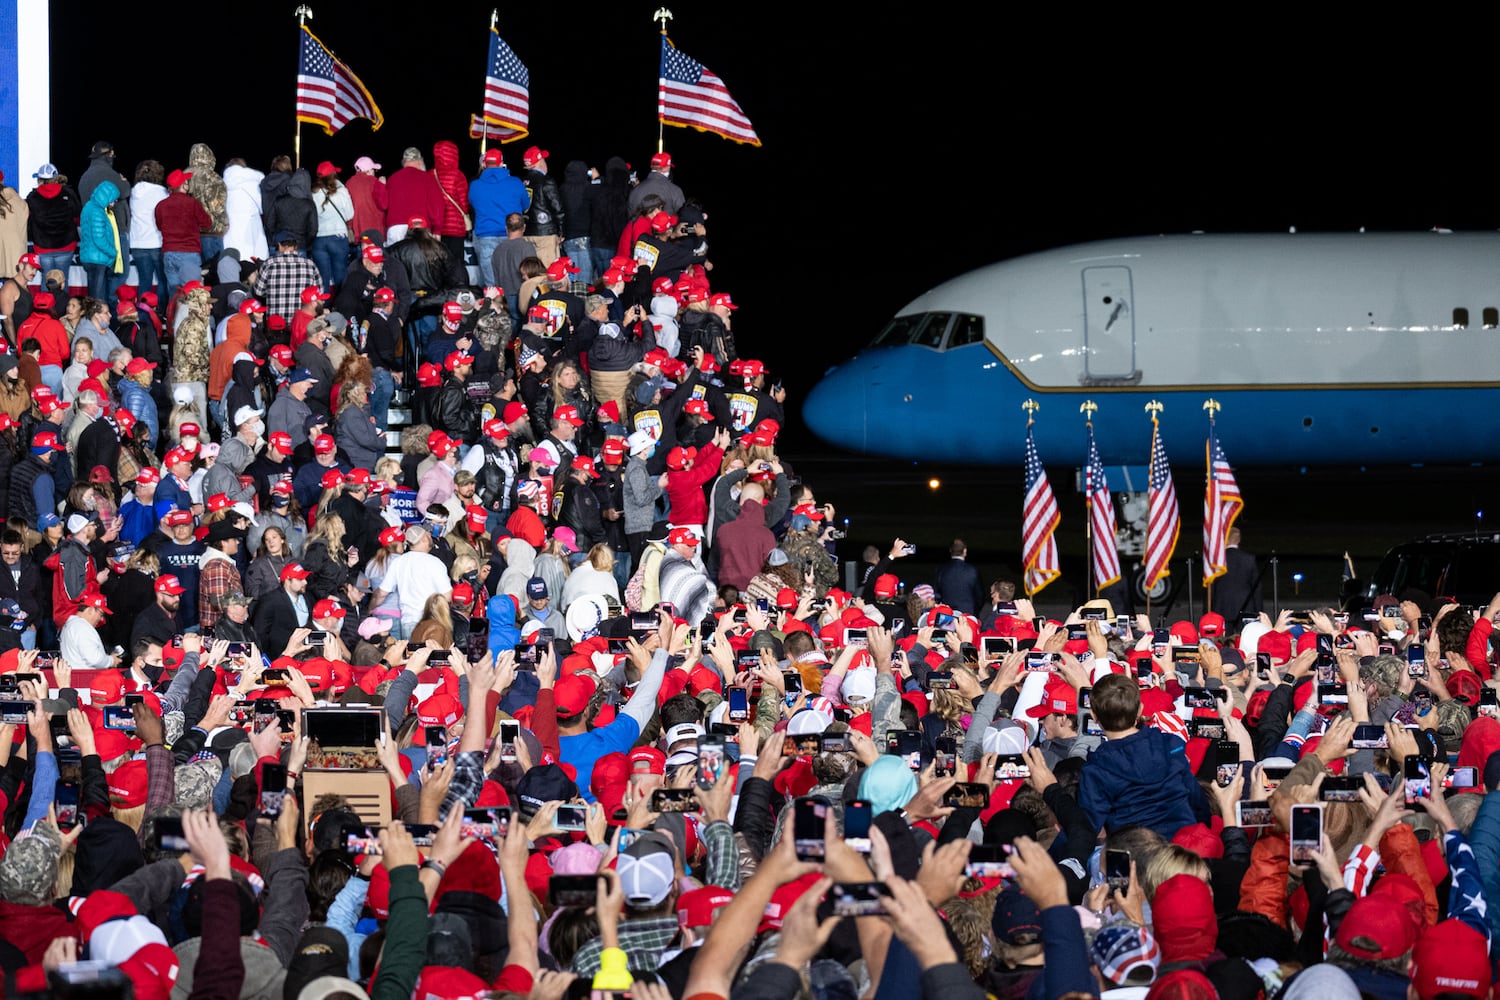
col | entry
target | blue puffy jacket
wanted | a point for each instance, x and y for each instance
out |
(96, 229)
(137, 399)
(494, 195)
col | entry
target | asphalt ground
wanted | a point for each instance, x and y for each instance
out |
(1307, 518)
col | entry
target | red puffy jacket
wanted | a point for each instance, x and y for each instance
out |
(455, 190)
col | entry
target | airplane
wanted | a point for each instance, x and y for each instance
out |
(1322, 349)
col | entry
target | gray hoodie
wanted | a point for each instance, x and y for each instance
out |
(520, 560)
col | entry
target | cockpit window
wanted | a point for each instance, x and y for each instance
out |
(966, 330)
(930, 332)
(898, 331)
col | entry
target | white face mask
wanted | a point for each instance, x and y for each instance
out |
(258, 428)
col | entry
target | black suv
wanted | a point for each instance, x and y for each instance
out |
(1463, 566)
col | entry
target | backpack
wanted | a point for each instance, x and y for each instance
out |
(644, 589)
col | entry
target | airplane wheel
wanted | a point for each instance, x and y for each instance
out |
(1158, 595)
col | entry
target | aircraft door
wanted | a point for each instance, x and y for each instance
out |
(1109, 325)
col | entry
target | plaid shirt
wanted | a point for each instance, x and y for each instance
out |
(281, 280)
(643, 942)
(218, 577)
(468, 781)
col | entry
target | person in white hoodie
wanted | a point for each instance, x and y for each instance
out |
(145, 238)
(245, 233)
(664, 320)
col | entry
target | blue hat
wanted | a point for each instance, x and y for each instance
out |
(45, 172)
(302, 375)
(314, 420)
(46, 521)
(10, 609)
(285, 236)
(536, 589)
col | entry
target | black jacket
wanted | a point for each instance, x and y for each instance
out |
(545, 216)
(294, 211)
(26, 591)
(274, 619)
(53, 222)
(454, 413)
(362, 526)
(380, 342)
(140, 336)
(578, 194)
(153, 623)
(495, 482)
(329, 576)
(704, 329)
(957, 585)
(580, 511)
(623, 352)
(423, 274)
(22, 478)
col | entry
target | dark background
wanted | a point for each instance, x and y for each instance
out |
(902, 145)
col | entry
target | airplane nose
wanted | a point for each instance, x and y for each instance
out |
(835, 409)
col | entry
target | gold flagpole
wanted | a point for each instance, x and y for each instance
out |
(663, 15)
(1087, 408)
(484, 124)
(303, 12)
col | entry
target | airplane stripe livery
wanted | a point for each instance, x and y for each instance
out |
(1329, 349)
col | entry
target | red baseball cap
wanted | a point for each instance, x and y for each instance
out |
(138, 365)
(417, 222)
(453, 312)
(722, 299)
(326, 169)
(568, 414)
(280, 440)
(294, 571)
(250, 307)
(584, 463)
(654, 760)
(328, 608)
(494, 157)
(1059, 699)
(697, 907)
(534, 155)
(661, 161)
(127, 786)
(496, 429)
(572, 694)
(176, 518)
(391, 535)
(312, 293)
(281, 354)
(682, 536)
(324, 444)
(169, 584)
(698, 408)
(94, 600)
(886, 584)
(457, 360)
(1451, 957)
(383, 294)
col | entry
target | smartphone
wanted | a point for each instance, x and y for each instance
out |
(1005, 608)
(859, 899)
(361, 840)
(857, 817)
(317, 637)
(478, 642)
(898, 625)
(941, 680)
(802, 746)
(967, 795)
(1206, 729)
(66, 801)
(1161, 642)
(835, 743)
(118, 717)
(1333, 694)
(573, 890)
(1011, 766)
(1078, 633)
(626, 837)
(437, 746)
(1488, 709)
(711, 760)
(1038, 661)
(1263, 666)
(1307, 832)
(939, 638)
(737, 616)
(793, 682)
(1418, 781)
(1117, 870)
(168, 835)
(272, 789)
(1462, 777)
(1143, 670)
(674, 800)
(739, 705)
(995, 647)
(644, 622)
(1088, 725)
(945, 761)
(989, 861)
(571, 819)
(1341, 788)
(856, 637)
(1369, 736)
(808, 817)
(438, 658)
(527, 654)
(1416, 661)
(906, 743)
(1199, 697)
(510, 735)
(1122, 624)
(275, 675)
(489, 825)
(1252, 814)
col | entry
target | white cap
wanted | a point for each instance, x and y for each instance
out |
(245, 413)
(859, 686)
(1010, 739)
(115, 941)
(685, 731)
(77, 522)
(808, 723)
(640, 441)
(182, 395)
(243, 509)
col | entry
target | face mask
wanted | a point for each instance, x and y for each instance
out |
(259, 427)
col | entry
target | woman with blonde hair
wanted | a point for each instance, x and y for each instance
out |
(354, 428)
(324, 557)
(436, 624)
(594, 577)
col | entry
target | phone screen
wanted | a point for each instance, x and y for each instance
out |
(1307, 832)
(739, 707)
(807, 828)
(1418, 780)
(478, 642)
(272, 789)
(857, 826)
(67, 805)
(1117, 869)
(711, 760)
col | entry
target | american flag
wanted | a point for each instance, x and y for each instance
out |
(328, 93)
(1039, 521)
(1221, 505)
(507, 94)
(1106, 556)
(1163, 520)
(691, 96)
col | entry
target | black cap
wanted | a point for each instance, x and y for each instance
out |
(102, 148)
(322, 951)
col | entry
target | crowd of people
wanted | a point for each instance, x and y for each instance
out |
(583, 628)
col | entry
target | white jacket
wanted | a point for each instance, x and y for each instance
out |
(335, 212)
(245, 232)
(143, 200)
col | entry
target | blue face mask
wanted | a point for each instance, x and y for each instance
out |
(437, 530)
